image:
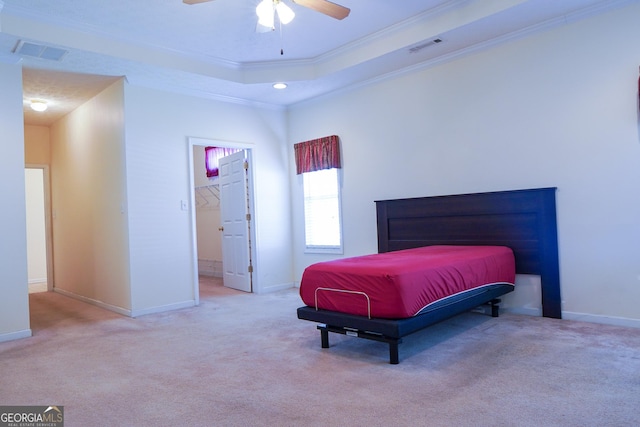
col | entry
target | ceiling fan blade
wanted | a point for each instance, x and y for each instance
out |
(326, 7)
(195, 1)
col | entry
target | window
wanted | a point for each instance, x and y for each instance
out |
(212, 156)
(318, 160)
(323, 228)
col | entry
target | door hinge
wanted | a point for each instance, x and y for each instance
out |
(246, 165)
(250, 269)
(248, 217)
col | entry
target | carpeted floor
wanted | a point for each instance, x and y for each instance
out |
(246, 360)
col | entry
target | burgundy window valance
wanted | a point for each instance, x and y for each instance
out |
(317, 154)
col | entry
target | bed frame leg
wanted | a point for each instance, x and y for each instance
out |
(324, 337)
(495, 308)
(394, 358)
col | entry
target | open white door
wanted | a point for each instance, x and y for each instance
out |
(234, 216)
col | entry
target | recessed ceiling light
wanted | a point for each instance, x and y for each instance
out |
(37, 105)
(279, 85)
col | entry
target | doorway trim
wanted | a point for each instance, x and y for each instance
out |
(48, 225)
(204, 142)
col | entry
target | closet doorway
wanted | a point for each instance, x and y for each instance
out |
(217, 252)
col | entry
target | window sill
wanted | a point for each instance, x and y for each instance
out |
(321, 250)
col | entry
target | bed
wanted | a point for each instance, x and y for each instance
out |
(521, 221)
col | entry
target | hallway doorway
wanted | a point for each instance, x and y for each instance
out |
(38, 221)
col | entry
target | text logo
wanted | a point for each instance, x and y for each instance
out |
(31, 416)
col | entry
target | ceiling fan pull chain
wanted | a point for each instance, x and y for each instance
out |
(281, 43)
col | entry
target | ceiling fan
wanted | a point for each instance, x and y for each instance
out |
(323, 6)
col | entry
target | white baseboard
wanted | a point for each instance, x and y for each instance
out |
(606, 320)
(114, 308)
(210, 274)
(38, 286)
(274, 288)
(582, 317)
(124, 311)
(163, 308)
(526, 311)
(210, 267)
(10, 336)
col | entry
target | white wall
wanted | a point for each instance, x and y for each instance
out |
(557, 109)
(91, 256)
(14, 303)
(158, 125)
(37, 147)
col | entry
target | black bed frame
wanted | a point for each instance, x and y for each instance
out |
(523, 220)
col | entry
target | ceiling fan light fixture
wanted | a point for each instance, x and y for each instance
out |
(285, 13)
(280, 85)
(265, 11)
(38, 105)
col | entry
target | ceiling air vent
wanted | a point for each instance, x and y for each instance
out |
(39, 51)
(419, 47)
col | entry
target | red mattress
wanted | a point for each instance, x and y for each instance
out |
(397, 285)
